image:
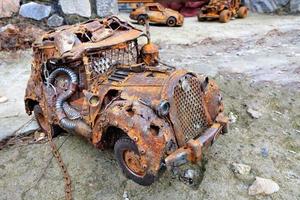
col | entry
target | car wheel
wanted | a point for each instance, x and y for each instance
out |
(171, 21)
(141, 20)
(243, 12)
(225, 16)
(128, 157)
(43, 122)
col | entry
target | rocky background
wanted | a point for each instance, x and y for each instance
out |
(58, 12)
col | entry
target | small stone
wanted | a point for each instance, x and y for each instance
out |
(125, 195)
(9, 7)
(253, 113)
(240, 168)
(232, 117)
(264, 152)
(3, 99)
(35, 11)
(189, 176)
(55, 21)
(263, 186)
(9, 28)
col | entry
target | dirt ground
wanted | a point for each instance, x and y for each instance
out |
(255, 61)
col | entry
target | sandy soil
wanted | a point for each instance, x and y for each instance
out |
(255, 61)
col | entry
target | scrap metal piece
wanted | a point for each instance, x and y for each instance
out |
(223, 10)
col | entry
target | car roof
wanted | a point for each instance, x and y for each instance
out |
(72, 40)
(153, 4)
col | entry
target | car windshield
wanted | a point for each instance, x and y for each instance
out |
(153, 8)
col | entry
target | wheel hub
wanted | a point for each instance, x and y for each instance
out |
(133, 163)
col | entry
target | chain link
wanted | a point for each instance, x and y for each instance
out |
(67, 178)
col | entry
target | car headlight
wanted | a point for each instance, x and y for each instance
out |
(163, 108)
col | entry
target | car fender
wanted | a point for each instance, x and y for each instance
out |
(150, 132)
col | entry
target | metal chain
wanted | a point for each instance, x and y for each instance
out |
(67, 178)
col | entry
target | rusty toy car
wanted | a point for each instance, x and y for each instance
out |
(156, 13)
(95, 80)
(223, 10)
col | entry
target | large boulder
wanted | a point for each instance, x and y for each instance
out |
(35, 11)
(9, 7)
(265, 6)
(107, 7)
(78, 7)
(295, 6)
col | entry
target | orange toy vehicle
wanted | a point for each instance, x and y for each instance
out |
(156, 13)
(93, 79)
(223, 10)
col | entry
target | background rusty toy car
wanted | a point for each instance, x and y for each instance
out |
(223, 10)
(156, 13)
(95, 80)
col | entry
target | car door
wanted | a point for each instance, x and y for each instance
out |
(156, 14)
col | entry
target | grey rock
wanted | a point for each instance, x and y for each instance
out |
(189, 176)
(232, 117)
(55, 21)
(263, 186)
(107, 7)
(264, 152)
(9, 7)
(265, 6)
(78, 7)
(254, 113)
(35, 11)
(240, 168)
(125, 195)
(295, 6)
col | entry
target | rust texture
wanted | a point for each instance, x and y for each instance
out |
(14, 37)
(156, 13)
(223, 10)
(94, 79)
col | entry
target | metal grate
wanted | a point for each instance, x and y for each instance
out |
(189, 104)
(126, 55)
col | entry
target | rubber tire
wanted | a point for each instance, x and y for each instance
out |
(121, 145)
(171, 22)
(225, 16)
(141, 20)
(243, 12)
(38, 111)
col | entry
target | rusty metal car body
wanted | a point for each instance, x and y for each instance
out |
(95, 80)
(156, 13)
(223, 10)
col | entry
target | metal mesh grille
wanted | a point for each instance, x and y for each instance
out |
(126, 55)
(189, 104)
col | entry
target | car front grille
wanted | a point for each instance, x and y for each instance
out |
(190, 107)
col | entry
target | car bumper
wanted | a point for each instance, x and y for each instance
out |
(180, 21)
(192, 151)
(208, 15)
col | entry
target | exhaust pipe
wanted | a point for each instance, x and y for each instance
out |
(68, 117)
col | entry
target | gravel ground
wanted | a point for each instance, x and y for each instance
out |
(255, 61)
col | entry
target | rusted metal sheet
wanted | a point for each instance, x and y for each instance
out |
(115, 93)
(156, 13)
(223, 10)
